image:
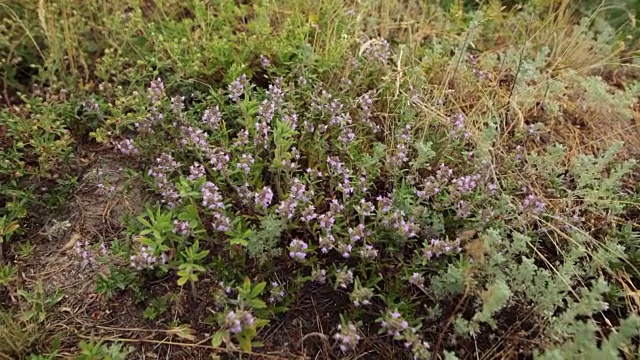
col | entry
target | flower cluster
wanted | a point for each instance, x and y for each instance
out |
(212, 200)
(298, 249)
(319, 276)
(466, 184)
(473, 59)
(377, 50)
(196, 172)
(146, 259)
(181, 227)
(263, 197)
(238, 321)
(156, 90)
(83, 252)
(237, 87)
(126, 147)
(436, 247)
(361, 295)
(195, 137)
(393, 323)
(532, 204)
(218, 158)
(433, 185)
(165, 165)
(403, 225)
(347, 337)
(399, 155)
(366, 108)
(459, 129)
(276, 293)
(245, 163)
(419, 347)
(212, 117)
(344, 278)
(416, 279)
(177, 106)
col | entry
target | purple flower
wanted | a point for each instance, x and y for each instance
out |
(436, 247)
(377, 50)
(368, 252)
(291, 120)
(298, 189)
(91, 106)
(146, 259)
(242, 139)
(126, 147)
(218, 158)
(211, 198)
(308, 213)
(344, 278)
(344, 249)
(181, 227)
(314, 173)
(237, 322)
(237, 87)
(335, 207)
(326, 221)
(394, 323)
(262, 133)
(358, 233)
(212, 117)
(287, 208)
(347, 337)
(384, 204)
(298, 249)
(177, 105)
(319, 276)
(326, 243)
(276, 293)
(533, 204)
(81, 250)
(458, 126)
(245, 163)
(194, 136)
(166, 163)
(196, 171)
(364, 208)
(466, 184)
(264, 197)
(264, 62)
(156, 90)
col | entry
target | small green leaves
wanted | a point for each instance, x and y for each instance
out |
(189, 270)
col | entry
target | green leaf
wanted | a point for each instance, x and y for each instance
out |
(257, 303)
(27, 315)
(182, 280)
(147, 241)
(259, 323)
(245, 343)
(257, 290)
(144, 221)
(216, 340)
(239, 241)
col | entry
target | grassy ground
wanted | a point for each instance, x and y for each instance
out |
(290, 179)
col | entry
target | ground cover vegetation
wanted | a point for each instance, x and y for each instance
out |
(291, 179)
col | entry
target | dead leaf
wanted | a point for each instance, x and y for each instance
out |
(183, 332)
(72, 242)
(476, 250)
